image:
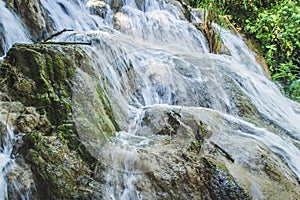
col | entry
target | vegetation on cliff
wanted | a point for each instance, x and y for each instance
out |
(274, 28)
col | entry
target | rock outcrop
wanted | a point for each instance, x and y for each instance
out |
(37, 82)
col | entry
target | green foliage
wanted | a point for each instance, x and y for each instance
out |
(214, 11)
(275, 26)
(212, 14)
(247, 9)
(287, 75)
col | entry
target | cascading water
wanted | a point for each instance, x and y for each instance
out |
(155, 69)
(8, 165)
(11, 29)
(6, 162)
(125, 160)
(71, 15)
(184, 74)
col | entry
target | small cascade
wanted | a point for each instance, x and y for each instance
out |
(124, 152)
(11, 32)
(8, 165)
(65, 15)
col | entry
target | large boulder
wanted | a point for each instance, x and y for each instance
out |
(36, 93)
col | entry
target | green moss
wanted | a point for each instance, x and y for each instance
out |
(58, 169)
(47, 73)
(42, 76)
(32, 139)
(108, 110)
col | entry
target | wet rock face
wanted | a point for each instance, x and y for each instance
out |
(116, 4)
(31, 120)
(22, 179)
(183, 162)
(174, 165)
(41, 77)
(1, 42)
(33, 16)
(97, 7)
(59, 172)
(202, 178)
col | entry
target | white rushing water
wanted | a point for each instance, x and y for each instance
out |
(150, 59)
(6, 162)
(11, 28)
(71, 15)
(8, 165)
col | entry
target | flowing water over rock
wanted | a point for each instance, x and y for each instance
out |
(6, 162)
(11, 29)
(9, 180)
(165, 118)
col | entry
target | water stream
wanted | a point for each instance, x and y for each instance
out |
(11, 29)
(156, 66)
(8, 165)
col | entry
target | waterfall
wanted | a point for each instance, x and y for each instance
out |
(157, 62)
(11, 29)
(71, 15)
(154, 68)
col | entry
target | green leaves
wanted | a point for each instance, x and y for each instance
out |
(275, 25)
(277, 28)
(287, 74)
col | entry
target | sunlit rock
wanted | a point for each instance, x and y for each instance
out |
(97, 7)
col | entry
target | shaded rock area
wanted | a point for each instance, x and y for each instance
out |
(44, 81)
(202, 178)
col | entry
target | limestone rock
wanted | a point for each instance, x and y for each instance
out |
(116, 4)
(31, 120)
(97, 7)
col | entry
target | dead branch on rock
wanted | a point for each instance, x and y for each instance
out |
(227, 155)
(46, 41)
(57, 33)
(67, 43)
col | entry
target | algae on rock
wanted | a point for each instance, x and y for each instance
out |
(41, 76)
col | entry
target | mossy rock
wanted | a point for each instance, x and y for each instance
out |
(58, 170)
(43, 77)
